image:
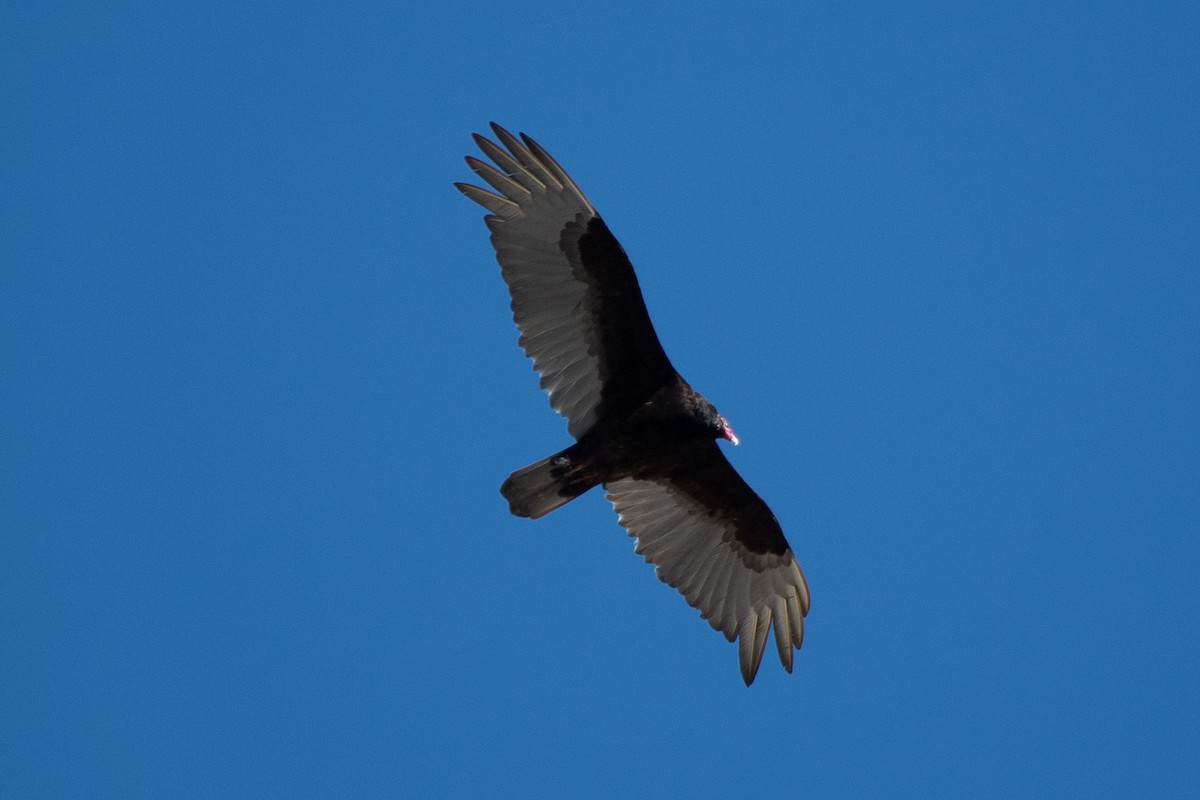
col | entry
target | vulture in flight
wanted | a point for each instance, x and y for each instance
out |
(641, 431)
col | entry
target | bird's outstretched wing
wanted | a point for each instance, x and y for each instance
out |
(575, 298)
(712, 538)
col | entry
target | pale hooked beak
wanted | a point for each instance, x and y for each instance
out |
(727, 432)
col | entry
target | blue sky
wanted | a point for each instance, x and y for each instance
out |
(938, 264)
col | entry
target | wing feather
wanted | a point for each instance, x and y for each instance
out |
(492, 202)
(575, 298)
(496, 179)
(510, 165)
(713, 539)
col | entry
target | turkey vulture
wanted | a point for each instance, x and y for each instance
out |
(641, 431)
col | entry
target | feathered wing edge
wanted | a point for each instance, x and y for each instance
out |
(742, 594)
(527, 168)
(534, 202)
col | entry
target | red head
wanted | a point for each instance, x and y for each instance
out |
(726, 431)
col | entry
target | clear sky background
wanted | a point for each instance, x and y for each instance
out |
(938, 264)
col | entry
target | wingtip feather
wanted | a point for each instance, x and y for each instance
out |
(494, 203)
(751, 641)
(783, 639)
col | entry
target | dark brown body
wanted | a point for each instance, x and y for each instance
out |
(646, 443)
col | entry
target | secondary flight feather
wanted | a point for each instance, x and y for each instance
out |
(642, 433)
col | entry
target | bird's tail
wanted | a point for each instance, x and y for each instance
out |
(538, 489)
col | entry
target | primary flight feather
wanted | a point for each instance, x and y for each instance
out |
(641, 431)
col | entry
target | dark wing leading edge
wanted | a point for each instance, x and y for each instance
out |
(712, 538)
(575, 298)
